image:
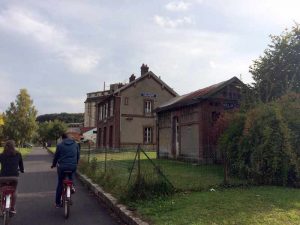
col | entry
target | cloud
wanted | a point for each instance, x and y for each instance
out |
(178, 6)
(169, 23)
(7, 91)
(281, 13)
(51, 37)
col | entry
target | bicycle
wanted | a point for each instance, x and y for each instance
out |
(7, 193)
(66, 194)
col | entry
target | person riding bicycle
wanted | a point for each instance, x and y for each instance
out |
(66, 158)
(11, 162)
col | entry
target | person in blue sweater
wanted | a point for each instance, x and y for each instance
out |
(65, 158)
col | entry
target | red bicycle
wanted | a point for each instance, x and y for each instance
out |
(66, 194)
(7, 194)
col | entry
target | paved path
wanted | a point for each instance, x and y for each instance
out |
(35, 204)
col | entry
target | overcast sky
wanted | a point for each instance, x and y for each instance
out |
(61, 50)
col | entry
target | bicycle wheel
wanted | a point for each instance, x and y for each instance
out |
(67, 208)
(6, 217)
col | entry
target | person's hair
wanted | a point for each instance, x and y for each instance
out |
(9, 148)
(64, 136)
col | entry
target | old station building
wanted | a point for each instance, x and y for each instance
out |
(126, 118)
(185, 122)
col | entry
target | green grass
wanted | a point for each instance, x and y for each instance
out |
(183, 176)
(194, 204)
(52, 149)
(242, 206)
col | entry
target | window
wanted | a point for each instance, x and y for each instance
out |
(148, 106)
(111, 110)
(105, 110)
(100, 113)
(147, 135)
(126, 101)
(215, 116)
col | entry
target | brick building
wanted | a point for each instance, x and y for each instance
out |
(126, 118)
(90, 107)
(185, 123)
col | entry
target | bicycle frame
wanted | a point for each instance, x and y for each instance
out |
(7, 194)
(67, 188)
(6, 202)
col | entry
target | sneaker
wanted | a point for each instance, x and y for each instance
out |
(58, 206)
(13, 211)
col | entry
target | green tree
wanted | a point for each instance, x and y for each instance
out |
(277, 71)
(19, 119)
(57, 128)
(44, 131)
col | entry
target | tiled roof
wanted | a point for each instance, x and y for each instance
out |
(85, 129)
(195, 96)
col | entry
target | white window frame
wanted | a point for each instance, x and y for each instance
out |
(147, 135)
(148, 106)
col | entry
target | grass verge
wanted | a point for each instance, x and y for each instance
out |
(243, 206)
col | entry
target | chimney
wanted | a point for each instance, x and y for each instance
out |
(144, 69)
(131, 78)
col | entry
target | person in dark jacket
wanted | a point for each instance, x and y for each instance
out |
(66, 158)
(11, 162)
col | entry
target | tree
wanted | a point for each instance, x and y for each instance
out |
(57, 128)
(44, 131)
(51, 130)
(19, 119)
(277, 72)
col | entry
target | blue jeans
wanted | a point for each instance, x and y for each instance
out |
(61, 177)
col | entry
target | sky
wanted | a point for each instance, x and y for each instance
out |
(59, 50)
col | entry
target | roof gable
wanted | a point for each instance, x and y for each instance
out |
(151, 74)
(197, 96)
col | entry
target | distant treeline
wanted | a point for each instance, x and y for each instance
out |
(65, 117)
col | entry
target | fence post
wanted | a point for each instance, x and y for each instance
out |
(225, 169)
(139, 165)
(105, 160)
(89, 152)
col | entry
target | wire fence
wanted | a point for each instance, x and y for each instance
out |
(118, 170)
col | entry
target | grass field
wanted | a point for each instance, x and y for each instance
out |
(194, 204)
(243, 206)
(52, 149)
(184, 176)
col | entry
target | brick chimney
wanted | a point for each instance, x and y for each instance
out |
(144, 69)
(131, 78)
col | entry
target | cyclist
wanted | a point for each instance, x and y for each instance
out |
(66, 158)
(11, 162)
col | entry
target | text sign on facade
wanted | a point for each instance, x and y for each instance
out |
(149, 95)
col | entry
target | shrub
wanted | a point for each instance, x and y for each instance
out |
(261, 145)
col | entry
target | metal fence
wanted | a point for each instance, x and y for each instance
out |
(118, 169)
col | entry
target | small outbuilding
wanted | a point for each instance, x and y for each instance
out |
(185, 123)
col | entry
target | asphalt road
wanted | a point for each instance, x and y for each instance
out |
(35, 203)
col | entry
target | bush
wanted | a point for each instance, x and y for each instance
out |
(148, 188)
(261, 145)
